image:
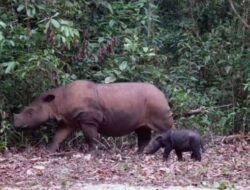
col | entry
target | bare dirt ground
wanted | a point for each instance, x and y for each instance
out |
(223, 166)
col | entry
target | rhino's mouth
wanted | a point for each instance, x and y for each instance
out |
(22, 126)
(25, 126)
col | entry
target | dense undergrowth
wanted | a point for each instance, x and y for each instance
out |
(197, 52)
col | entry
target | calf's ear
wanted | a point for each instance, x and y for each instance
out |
(159, 139)
(49, 98)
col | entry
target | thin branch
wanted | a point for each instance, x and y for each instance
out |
(222, 106)
(238, 15)
(28, 20)
(196, 111)
(200, 110)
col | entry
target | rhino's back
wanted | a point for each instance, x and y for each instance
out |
(129, 94)
(128, 106)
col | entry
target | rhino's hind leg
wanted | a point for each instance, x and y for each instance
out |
(62, 133)
(144, 135)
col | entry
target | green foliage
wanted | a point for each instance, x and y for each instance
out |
(196, 52)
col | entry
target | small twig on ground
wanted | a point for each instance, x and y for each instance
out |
(234, 138)
(62, 153)
(107, 143)
(106, 147)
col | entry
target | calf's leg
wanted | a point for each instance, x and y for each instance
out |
(167, 151)
(196, 151)
(179, 155)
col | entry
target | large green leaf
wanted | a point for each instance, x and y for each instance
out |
(9, 66)
(55, 23)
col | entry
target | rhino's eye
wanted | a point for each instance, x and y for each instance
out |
(29, 111)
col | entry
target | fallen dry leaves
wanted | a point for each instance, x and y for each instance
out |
(34, 168)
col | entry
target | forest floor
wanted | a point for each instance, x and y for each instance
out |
(223, 166)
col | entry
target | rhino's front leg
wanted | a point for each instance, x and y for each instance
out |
(89, 123)
(62, 133)
(91, 135)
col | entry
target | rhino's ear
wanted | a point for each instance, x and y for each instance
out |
(49, 98)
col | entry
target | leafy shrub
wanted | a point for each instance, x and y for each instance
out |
(197, 54)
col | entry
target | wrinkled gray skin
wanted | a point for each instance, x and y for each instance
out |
(179, 140)
(99, 109)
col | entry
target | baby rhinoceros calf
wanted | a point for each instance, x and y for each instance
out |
(179, 140)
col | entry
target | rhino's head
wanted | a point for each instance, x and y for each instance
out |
(36, 113)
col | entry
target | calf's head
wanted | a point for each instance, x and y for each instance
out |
(154, 145)
(36, 113)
